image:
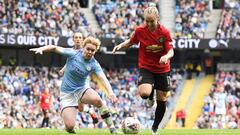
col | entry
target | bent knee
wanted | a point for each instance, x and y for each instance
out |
(144, 95)
(98, 102)
(80, 108)
(69, 126)
(163, 96)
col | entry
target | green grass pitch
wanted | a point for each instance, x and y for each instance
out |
(106, 132)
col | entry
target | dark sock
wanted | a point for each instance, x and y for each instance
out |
(151, 95)
(159, 113)
(47, 121)
(43, 122)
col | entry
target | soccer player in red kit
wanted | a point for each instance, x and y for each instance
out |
(154, 53)
(45, 103)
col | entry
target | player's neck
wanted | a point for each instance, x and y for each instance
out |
(153, 29)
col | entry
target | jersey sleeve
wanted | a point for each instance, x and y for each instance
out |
(97, 68)
(134, 38)
(168, 41)
(68, 52)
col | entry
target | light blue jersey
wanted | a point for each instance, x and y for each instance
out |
(78, 70)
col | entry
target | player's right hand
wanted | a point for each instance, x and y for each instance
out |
(116, 48)
(36, 50)
(112, 97)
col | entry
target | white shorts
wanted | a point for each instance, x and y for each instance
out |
(71, 99)
(220, 110)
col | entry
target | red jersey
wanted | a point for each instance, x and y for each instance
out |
(45, 101)
(153, 45)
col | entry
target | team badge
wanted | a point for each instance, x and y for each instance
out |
(161, 39)
(88, 68)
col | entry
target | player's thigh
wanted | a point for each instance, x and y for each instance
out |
(163, 86)
(69, 115)
(145, 81)
(45, 112)
(91, 97)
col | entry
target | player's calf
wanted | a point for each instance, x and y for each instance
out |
(106, 115)
(151, 99)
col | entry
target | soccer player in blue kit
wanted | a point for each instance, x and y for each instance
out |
(75, 88)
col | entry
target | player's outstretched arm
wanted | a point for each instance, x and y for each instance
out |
(48, 48)
(102, 77)
(125, 44)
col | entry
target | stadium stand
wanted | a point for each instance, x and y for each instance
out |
(182, 101)
(192, 18)
(119, 18)
(229, 24)
(221, 107)
(37, 17)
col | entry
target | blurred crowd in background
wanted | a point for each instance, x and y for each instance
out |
(222, 106)
(192, 18)
(21, 87)
(116, 18)
(229, 23)
(42, 17)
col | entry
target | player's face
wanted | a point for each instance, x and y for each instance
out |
(151, 22)
(89, 50)
(46, 90)
(77, 39)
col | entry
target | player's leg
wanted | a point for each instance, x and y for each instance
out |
(80, 107)
(44, 119)
(47, 117)
(163, 87)
(92, 114)
(152, 98)
(69, 118)
(92, 97)
(69, 106)
(145, 87)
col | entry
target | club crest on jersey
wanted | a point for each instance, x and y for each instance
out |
(161, 39)
(88, 68)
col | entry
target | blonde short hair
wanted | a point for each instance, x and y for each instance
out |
(93, 41)
(151, 10)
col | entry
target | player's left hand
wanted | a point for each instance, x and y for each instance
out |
(112, 97)
(163, 60)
